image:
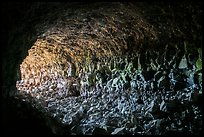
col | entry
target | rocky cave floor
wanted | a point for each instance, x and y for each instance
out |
(128, 103)
(121, 111)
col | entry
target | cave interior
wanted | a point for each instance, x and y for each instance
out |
(112, 68)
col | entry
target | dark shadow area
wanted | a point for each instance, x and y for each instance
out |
(22, 121)
(17, 118)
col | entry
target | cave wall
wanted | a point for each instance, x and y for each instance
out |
(23, 16)
(18, 27)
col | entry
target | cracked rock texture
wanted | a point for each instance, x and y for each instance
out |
(107, 68)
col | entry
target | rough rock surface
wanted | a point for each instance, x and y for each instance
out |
(118, 68)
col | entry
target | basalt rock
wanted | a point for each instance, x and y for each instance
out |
(116, 68)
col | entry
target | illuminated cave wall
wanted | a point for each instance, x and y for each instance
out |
(93, 34)
(88, 46)
(82, 47)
